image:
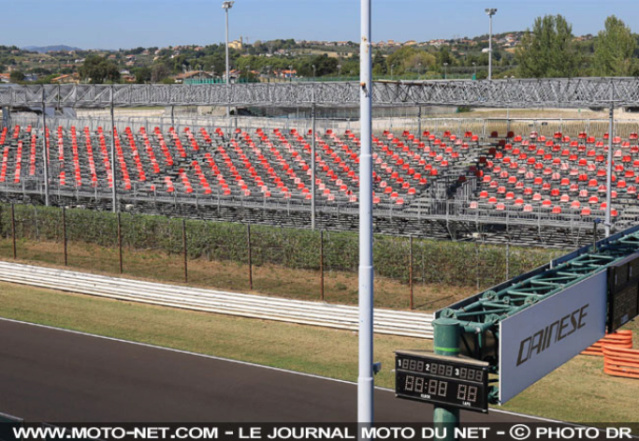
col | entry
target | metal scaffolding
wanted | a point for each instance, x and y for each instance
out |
(479, 316)
(511, 93)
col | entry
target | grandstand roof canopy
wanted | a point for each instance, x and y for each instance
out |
(513, 93)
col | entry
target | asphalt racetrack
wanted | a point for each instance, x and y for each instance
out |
(50, 375)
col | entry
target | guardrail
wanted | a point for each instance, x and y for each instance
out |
(403, 323)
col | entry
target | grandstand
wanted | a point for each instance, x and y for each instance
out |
(460, 182)
(430, 184)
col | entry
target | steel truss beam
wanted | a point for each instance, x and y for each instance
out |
(479, 315)
(484, 311)
(513, 93)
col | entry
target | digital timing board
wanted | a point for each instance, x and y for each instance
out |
(623, 289)
(439, 379)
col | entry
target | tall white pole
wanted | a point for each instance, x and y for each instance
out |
(490, 46)
(365, 380)
(228, 107)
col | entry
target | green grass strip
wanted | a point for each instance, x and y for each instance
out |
(578, 391)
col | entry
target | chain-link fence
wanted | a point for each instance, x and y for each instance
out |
(295, 263)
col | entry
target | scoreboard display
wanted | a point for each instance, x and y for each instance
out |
(623, 292)
(438, 379)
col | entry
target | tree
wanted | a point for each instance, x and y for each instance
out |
(548, 50)
(614, 49)
(136, 51)
(408, 59)
(379, 64)
(46, 79)
(324, 65)
(159, 72)
(444, 56)
(142, 75)
(16, 76)
(97, 69)
(420, 62)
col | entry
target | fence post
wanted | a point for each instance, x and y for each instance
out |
(13, 231)
(322, 265)
(250, 256)
(120, 241)
(185, 251)
(64, 234)
(410, 272)
(477, 262)
(508, 258)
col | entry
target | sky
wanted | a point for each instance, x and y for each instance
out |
(115, 24)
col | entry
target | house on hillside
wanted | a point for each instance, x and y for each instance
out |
(288, 74)
(193, 75)
(237, 45)
(73, 78)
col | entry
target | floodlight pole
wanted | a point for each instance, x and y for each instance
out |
(446, 339)
(226, 6)
(365, 380)
(607, 223)
(45, 150)
(490, 12)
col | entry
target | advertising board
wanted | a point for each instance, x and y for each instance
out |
(542, 337)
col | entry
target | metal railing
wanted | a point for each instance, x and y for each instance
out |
(420, 209)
